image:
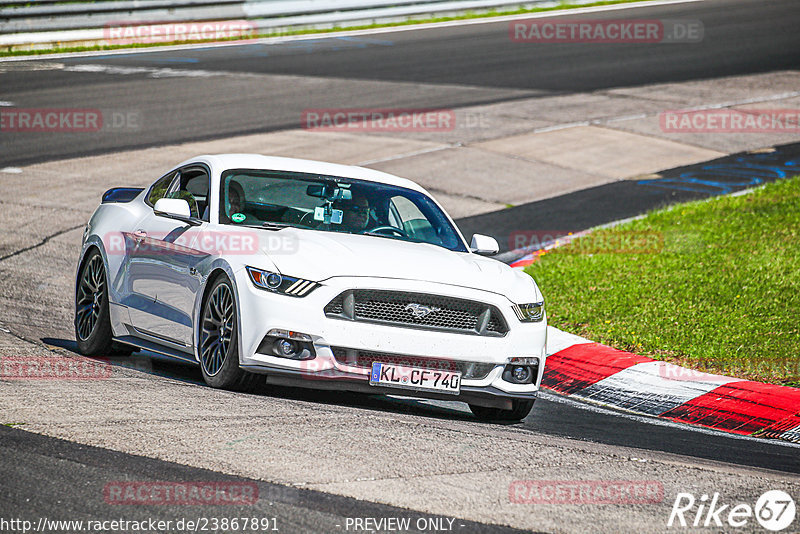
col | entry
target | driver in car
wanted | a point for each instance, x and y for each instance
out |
(355, 213)
(236, 204)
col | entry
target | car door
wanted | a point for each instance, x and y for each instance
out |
(163, 272)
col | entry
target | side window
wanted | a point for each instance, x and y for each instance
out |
(412, 220)
(406, 210)
(160, 189)
(193, 188)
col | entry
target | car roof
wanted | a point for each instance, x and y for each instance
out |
(223, 162)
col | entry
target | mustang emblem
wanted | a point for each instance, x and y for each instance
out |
(419, 311)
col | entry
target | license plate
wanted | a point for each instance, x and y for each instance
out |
(401, 376)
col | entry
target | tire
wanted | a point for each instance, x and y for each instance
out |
(92, 318)
(218, 339)
(519, 411)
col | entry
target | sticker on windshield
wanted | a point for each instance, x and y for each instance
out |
(238, 217)
(335, 216)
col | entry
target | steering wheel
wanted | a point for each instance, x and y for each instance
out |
(379, 229)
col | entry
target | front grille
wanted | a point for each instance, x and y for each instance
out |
(418, 310)
(364, 360)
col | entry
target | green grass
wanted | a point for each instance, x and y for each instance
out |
(9, 51)
(721, 295)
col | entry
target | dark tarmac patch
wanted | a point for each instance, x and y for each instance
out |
(603, 204)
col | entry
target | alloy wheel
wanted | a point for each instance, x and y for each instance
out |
(91, 292)
(217, 329)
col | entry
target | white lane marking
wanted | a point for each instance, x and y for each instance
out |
(5, 66)
(6, 104)
(653, 387)
(405, 155)
(741, 193)
(11, 170)
(565, 126)
(627, 117)
(356, 33)
(153, 72)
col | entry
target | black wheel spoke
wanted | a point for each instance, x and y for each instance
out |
(90, 297)
(216, 328)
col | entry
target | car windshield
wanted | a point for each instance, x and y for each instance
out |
(333, 204)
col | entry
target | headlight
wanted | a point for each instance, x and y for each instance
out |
(530, 313)
(278, 283)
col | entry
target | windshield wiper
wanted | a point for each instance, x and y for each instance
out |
(396, 237)
(377, 234)
(269, 225)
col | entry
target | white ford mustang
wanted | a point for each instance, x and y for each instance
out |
(315, 275)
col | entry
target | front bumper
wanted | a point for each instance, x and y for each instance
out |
(488, 396)
(261, 311)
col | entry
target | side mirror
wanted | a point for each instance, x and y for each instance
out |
(175, 208)
(484, 245)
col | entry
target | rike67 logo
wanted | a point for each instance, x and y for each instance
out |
(774, 510)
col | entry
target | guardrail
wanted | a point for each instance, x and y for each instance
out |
(46, 21)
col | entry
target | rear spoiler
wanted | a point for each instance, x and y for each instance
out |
(121, 194)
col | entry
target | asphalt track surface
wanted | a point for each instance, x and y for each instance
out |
(552, 414)
(59, 480)
(624, 199)
(478, 58)
(266, 87)
(71, 476)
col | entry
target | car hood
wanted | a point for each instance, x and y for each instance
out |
(323, 255)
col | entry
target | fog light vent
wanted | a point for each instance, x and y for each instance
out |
(521, 370)
(287, 344)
